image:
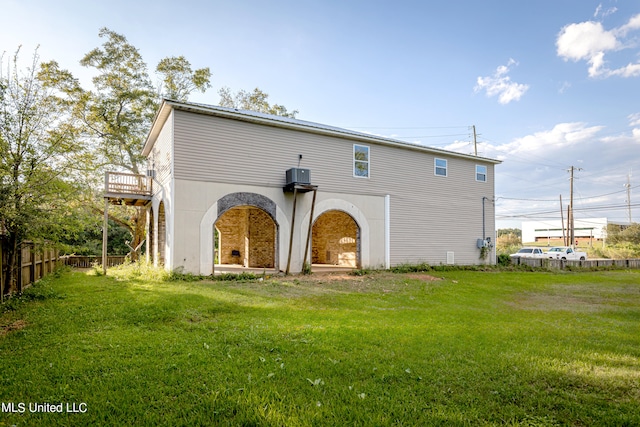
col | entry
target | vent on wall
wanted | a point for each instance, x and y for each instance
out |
(298, 176)
(450, 258)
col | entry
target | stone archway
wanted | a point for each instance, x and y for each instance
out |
(335, 240)
(209, 220)
(247, 237)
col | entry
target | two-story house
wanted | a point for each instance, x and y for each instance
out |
(234, 187)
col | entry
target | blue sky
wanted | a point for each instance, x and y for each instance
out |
(548, 84)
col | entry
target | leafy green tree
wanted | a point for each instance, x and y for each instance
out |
(115, 115)
(118, 111)
(256, 100)
(515, 231)
(39, 155)
(178, 80)
(617, 234)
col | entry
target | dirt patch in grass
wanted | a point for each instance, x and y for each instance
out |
(15, 326)
(422, 276)
(578, 298)
(332, 276)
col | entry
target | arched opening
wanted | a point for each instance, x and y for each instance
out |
(245, 236)
(162, 235)
(335, 240)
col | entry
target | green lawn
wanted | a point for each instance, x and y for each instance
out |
(462, 348)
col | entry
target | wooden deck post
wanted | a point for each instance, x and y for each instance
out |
(105, 226)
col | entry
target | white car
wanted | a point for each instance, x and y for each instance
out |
(565, 252)
(529, 253)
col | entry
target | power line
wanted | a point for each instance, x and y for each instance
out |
(411, 127)
(554, 213)
(553, 200)
(430, 136)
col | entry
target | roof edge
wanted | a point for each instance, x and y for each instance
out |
(288, 123)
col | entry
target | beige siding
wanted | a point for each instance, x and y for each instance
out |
(161, 154)
(430, 215)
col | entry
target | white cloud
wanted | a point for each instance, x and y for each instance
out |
(535, 167)
(631, 70)
(600, 11)
(633, 24)
(564, 87)
(634, 119)
(500, 84)
(563, 136)
(589, 41)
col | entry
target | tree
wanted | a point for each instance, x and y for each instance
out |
(38, 158)
(515, 231)
(509, 239)
(617, 234)
(118, 112)
(253, 101)
(178, 80)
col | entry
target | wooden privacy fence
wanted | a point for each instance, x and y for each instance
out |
(34, 262)
(561, 264)
(82, 261)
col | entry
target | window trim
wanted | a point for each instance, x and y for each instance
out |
(485, 174)
(368, 161)
(436, 167)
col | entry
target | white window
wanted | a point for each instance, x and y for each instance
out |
(440, 167)
(481, 173)
(360, 161)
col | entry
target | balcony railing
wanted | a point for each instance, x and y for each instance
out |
(118, 183)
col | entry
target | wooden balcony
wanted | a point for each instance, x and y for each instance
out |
(127, 188)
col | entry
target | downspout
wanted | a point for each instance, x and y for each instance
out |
(484, 237)
(387, 232)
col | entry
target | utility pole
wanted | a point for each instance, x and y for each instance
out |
(571, 224)
(628, 185)
(475, 140)
(564, 236)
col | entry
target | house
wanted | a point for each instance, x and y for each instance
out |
(234, 187)
(553, 232)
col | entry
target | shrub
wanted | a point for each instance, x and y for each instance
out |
(504, 259)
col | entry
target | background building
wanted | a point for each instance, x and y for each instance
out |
(586, 231)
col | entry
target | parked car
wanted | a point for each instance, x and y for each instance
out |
(566, 252)
(529, 253)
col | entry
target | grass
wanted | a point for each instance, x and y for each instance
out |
(403, 349)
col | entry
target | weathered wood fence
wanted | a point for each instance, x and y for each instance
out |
(37, 261)
(83, 261)
(562, 264)
(34, 262)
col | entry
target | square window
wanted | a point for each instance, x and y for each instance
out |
(440, 167)
(481, 173)
(360, 161)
